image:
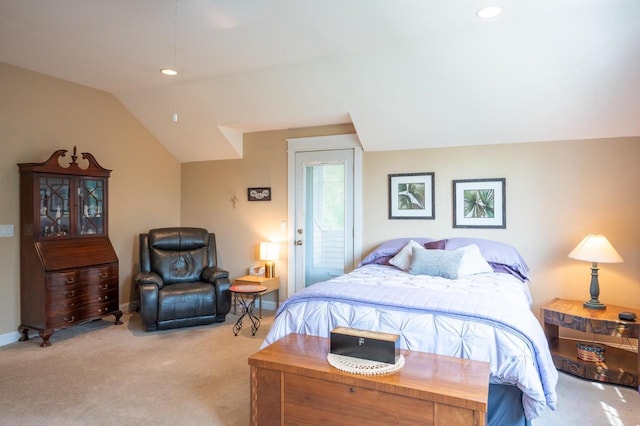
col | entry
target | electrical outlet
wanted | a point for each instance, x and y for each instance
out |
(6, 230)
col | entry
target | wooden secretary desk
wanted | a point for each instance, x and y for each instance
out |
(68, 267)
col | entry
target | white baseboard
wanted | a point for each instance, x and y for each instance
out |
(267, 304)
(8, 338)
(14, 336)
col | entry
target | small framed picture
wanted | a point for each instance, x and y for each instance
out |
(479, 203)
(259, 194)
(411, 196)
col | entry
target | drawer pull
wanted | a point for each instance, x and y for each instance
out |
(104, 286)
(102, 298)
(70, 319)
(70, 305)
(69, 293)
(352, 390)
(69, 281)
(104, 275)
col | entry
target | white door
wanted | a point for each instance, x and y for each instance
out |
(325, 201)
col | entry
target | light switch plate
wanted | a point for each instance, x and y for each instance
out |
(6, 230)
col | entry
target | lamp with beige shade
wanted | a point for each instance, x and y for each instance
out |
(595, 248)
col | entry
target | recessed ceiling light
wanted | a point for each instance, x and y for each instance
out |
(489, 12)
(168, 71)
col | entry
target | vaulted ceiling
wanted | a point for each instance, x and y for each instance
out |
(408, 74)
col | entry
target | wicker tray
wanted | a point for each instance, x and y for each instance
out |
(590, 352)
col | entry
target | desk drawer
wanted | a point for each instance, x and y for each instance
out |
(67, 280)
(60, 303)
(65, 317)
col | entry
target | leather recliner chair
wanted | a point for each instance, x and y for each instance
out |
(180, 282)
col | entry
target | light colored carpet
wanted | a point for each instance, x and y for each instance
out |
(102, 374)
(584, 402)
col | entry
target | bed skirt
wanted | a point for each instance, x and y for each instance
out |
(505, 406)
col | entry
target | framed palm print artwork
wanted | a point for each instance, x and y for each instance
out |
(411, 196)
(479, 203)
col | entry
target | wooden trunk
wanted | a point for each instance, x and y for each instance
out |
(292, 383)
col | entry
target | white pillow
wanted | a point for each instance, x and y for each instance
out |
(472, 261)
(402, 260)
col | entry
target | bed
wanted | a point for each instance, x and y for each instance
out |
(463, 297)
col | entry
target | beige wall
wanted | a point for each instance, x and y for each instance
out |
(209, 186)
(40, 114)
(556, 193)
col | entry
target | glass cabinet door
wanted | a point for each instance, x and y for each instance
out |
(91, 206)
(54, 206)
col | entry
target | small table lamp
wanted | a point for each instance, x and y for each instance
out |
(269, 252)
(595, 248)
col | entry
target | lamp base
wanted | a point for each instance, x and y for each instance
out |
(594, 304)
(269, 269)
(594, 290)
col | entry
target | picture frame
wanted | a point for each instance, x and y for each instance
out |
(411, 196)
(479, 203)
(259, 194)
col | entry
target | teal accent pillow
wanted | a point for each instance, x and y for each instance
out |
(436, 263)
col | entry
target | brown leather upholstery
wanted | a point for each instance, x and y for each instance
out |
(180, 282)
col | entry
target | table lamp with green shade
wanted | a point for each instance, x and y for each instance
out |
(595, 248)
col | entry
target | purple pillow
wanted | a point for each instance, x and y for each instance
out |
(499, 267)
(502, 257)
(389, 249)
(384, 260)
(436, 245)
(495, 252)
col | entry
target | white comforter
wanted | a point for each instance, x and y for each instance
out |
(485, 317)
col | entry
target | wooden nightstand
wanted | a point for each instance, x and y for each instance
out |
(272, 284)
(619, 366)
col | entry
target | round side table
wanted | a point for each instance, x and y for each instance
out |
(246, 294)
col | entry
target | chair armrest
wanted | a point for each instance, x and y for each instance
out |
(220, 280)
(149, 278)
(223, 295)
(148, 303)
(213, 273)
